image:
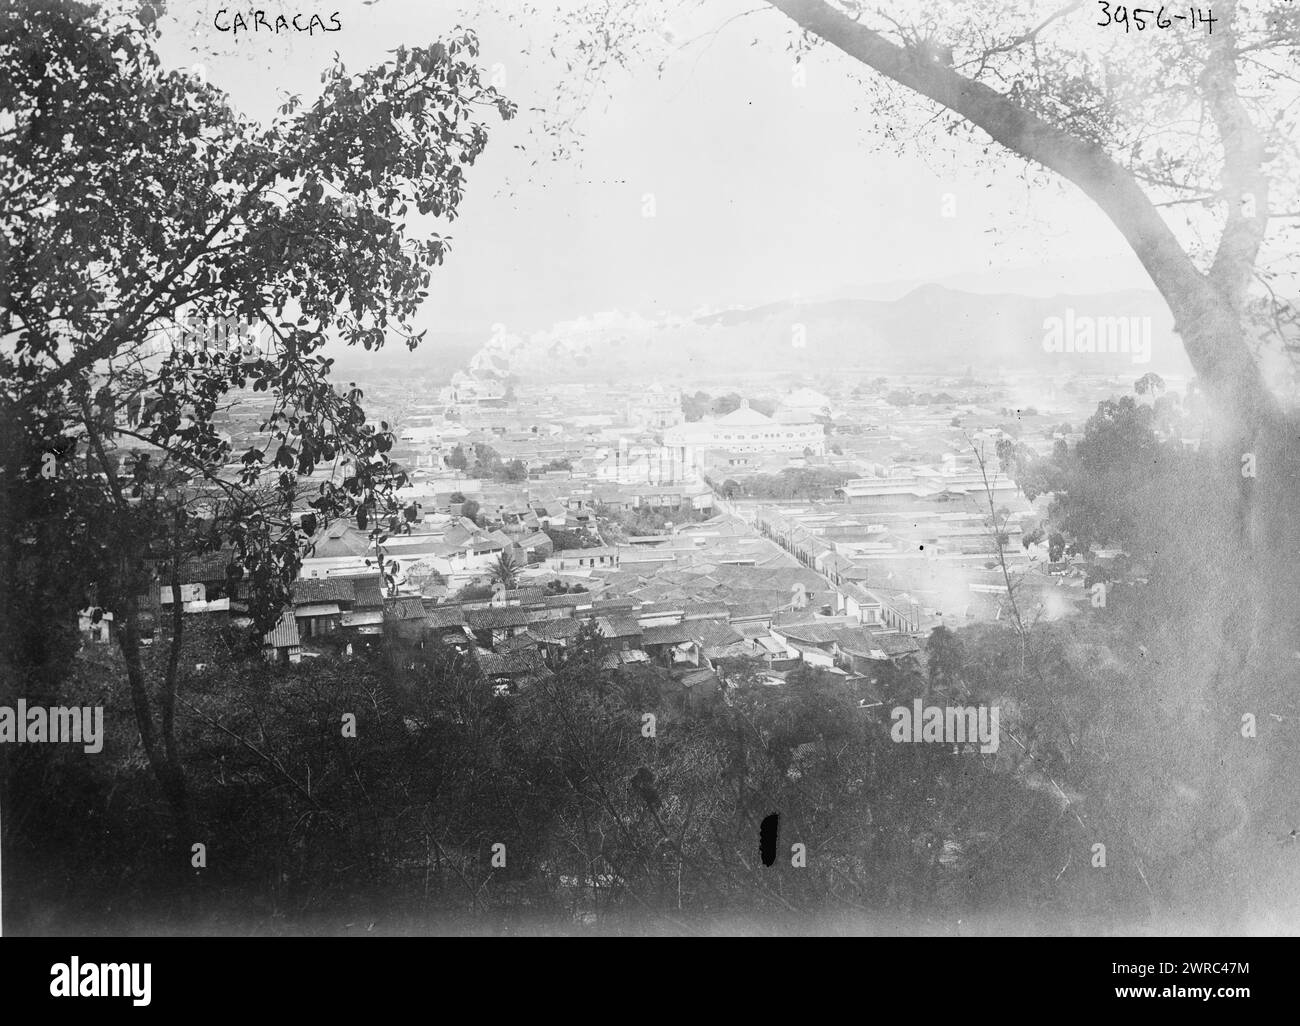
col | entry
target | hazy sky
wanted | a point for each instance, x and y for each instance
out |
(763, 190)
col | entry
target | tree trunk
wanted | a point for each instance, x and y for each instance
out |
(1252, 606)
(161, 754)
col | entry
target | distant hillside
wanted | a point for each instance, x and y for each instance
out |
(930, 330)
(937, 329)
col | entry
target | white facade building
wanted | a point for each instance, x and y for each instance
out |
(747, 430)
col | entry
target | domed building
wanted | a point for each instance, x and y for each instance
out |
(747, 430)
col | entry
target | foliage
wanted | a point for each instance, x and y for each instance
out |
(457, 458)
(701, 404)
(397, 824)
(505, 571)
(793, 483)
(563, 538)
(643, 521)
(1122, 484)
(555, 586)
(143, 221)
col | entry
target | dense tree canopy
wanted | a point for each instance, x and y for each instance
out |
(137, 204)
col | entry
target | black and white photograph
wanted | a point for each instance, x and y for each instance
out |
(651, 469)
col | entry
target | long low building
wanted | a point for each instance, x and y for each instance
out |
(747, 430)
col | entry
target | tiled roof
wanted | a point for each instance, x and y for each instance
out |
(712, 633)
(792, 617)
(809, 633)
(555, 630)
(209, 567)
(739, 610)
(674, 634)
(653, 609)
(491, 541)
(699, 610)
(445, 616)
(743, 649)
(323, 589)
(569, 599)
(510, 664)
(311, 609)
(861, 595)
(340, 539)
(898, 644)
(284, 634)
(406, 608)
(524, 640)
(612, 605)
(619, 626)
(368, 595)
(496, 616)
(857, 640)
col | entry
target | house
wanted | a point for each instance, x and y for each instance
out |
(570, 559)
(536, 547)
(701, 610)
(660, 614)
(566, 603)
(530, 595)
(862, 605)
(671, 645)
(493, 625)
(511, 670)
(812, 643)
(282, 642)
(613, 606)
(622, 632)
(712, 635)
(208, 570)
(554, 636)
(405, 607)
(667, 497)
(446, 624)
(861, 650)
(366, 617)
(319, 604)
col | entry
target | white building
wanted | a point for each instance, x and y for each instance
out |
(659, 408)
(807, 400)
(747, 430)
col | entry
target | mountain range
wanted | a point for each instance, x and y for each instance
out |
(932, 329)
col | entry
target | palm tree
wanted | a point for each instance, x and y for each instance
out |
(505, 570)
